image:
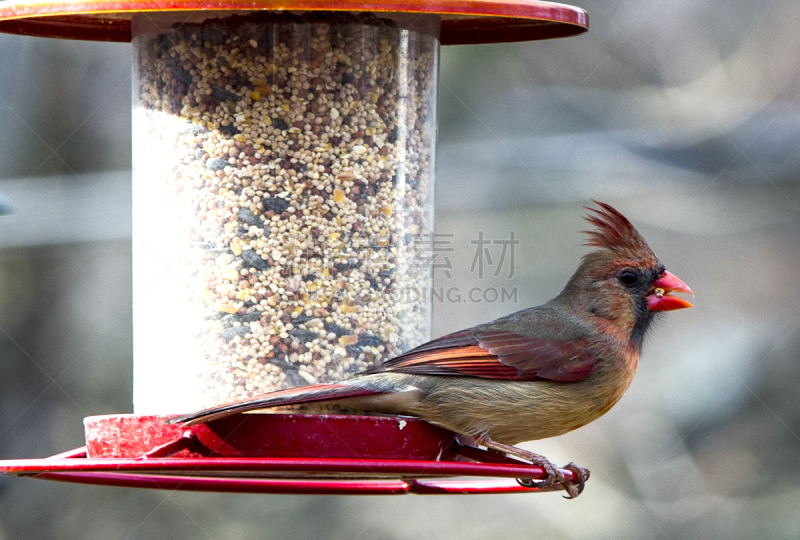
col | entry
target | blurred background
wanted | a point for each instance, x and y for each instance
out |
(681, 114)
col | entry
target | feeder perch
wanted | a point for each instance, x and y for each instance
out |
(283, 162)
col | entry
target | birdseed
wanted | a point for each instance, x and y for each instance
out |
(289, 160)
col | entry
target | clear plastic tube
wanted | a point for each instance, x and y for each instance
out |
(282, 199)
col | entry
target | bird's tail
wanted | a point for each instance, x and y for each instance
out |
(289, 396)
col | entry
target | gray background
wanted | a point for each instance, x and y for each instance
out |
(682, 114)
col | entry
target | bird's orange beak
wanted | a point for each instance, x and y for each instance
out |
(660, 300)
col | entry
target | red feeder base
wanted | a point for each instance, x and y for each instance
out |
(282, 453)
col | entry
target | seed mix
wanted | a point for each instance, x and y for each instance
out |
(298, 152)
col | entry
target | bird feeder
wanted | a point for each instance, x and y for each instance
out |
(283, 199)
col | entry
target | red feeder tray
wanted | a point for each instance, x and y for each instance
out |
(282, 453)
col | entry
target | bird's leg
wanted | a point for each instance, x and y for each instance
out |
(573, 488)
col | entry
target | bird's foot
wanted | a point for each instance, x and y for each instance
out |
(573, 487)
(579, 477)
(554, 476)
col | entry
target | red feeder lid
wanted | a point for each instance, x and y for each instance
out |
(463, 21)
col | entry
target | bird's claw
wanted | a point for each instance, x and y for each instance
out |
(579, 477)
(529, 483)
(573, 487)
(554, 476)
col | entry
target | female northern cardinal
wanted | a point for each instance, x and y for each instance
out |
(533, 374)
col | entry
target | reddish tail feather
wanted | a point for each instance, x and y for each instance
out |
(289, 396)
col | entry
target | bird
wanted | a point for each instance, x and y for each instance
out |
(534, 374)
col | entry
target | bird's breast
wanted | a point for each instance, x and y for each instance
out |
(515, 411)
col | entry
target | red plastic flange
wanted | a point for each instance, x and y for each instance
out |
(463, 21)
(282, 453)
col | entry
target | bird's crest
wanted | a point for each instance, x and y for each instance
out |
(615, 233)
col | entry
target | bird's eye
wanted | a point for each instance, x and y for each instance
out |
(628, 278)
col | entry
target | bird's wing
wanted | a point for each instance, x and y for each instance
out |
(499, 354)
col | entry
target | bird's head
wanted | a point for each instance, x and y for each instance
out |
(622, 284)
